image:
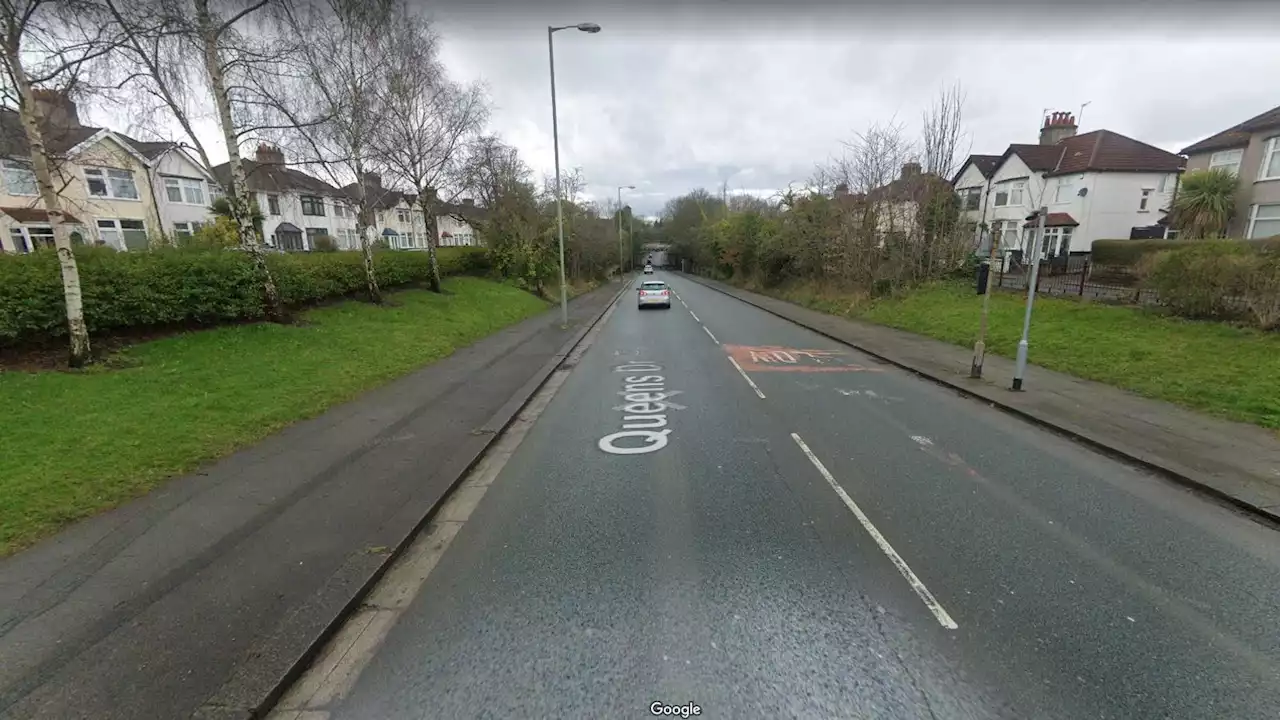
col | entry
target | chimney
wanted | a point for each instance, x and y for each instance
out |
(269, 155)
(431, 194)
(910, 169)
(1058, 126)
(58, 110)
(372, 180)
(468, 203)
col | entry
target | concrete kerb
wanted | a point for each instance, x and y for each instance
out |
(1260, 514)
(491, 429)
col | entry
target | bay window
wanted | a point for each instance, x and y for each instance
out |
(123, 234)
(1264, 221)
(1269, 168)
(184, 190)
(1228, 160)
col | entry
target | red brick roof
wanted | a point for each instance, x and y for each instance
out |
(34, 215)
(1058, 219)
(1097, 151)
(1237, 136)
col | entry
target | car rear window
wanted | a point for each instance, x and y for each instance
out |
(654, 285)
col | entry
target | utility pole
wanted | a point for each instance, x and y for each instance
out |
(980, 347)
(1020, 369)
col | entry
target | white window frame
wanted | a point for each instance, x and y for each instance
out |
(1144, 202)
(29, 244)
(17, 166)
(1253, 220)
(402, 216)
(1057, 193)
(187, 188)
(189, 230)
(1216, 160)
(118, 229)
(1168, 183)
(1012, 190)
(339, 209)
(109, 177)
(1270, 151)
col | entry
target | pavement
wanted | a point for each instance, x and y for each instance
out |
(205, 597)
(721, 508)
(1233, 462)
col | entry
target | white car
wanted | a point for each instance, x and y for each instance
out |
(648, 269)
(654, 293)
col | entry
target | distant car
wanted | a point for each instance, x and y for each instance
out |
(654, 293)
(648, 269)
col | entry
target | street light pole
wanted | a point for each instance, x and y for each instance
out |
(620, 250)
(1020, 369)
(555, 138)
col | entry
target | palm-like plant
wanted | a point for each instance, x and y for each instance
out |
(1205, 203)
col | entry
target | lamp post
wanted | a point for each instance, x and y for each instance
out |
(1020, 368)
(620, 250)
(555, 136)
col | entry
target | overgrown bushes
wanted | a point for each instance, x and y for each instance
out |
(180, 286)
(1221, 280)
(1131, 253)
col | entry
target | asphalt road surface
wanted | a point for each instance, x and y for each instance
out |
(857, 543)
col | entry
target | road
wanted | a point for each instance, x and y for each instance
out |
(821, 536)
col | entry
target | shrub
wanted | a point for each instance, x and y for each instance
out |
(1130, 253)
(324, 243)
(221, 233)
(181, 286)
(1203, 281)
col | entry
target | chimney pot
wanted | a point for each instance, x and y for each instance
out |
(269, 155)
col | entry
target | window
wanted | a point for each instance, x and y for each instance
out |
(123, 234)
(970, 198)
(1226, 160)
(28, 238)
(1168, 183)
(185, 229)
(313, 233)
(1009, 234)
(339, 210)
(1269, 168)
(111, 183)
(402, 216)
(1010, 193)
(1264, 221)
(312, 205)
(215, 192)
(19, 179)
(1145, 200)
(184, 190)
(273, 204)
(1064, 193)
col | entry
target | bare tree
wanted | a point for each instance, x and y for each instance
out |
(343, 65)
(46, 50)
(945, 143)
(427, 121)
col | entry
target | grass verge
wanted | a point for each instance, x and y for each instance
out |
(78, 443)
(1219, 369)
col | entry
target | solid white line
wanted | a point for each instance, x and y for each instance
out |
(934, 606)
(695, 317)
(713, 337)
(746, 377)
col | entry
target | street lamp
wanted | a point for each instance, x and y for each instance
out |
(620, 250)
(555, 135)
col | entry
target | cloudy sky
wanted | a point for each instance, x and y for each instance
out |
(673, 96)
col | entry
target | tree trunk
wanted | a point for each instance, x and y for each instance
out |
(77, 329)
(429, 219)
(238, 200)
(363, 221)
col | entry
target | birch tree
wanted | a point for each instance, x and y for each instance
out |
(343, 71)
(427, 121)
(46, 48)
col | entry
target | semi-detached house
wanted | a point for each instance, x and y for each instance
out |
(297, 208)
(1097, 185)
(1251, 150)
(115, 190)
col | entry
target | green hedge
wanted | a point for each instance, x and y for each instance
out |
(1221, 280)
(1129, 253)
(192, 286)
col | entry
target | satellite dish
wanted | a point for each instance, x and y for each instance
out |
(1083, 192)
